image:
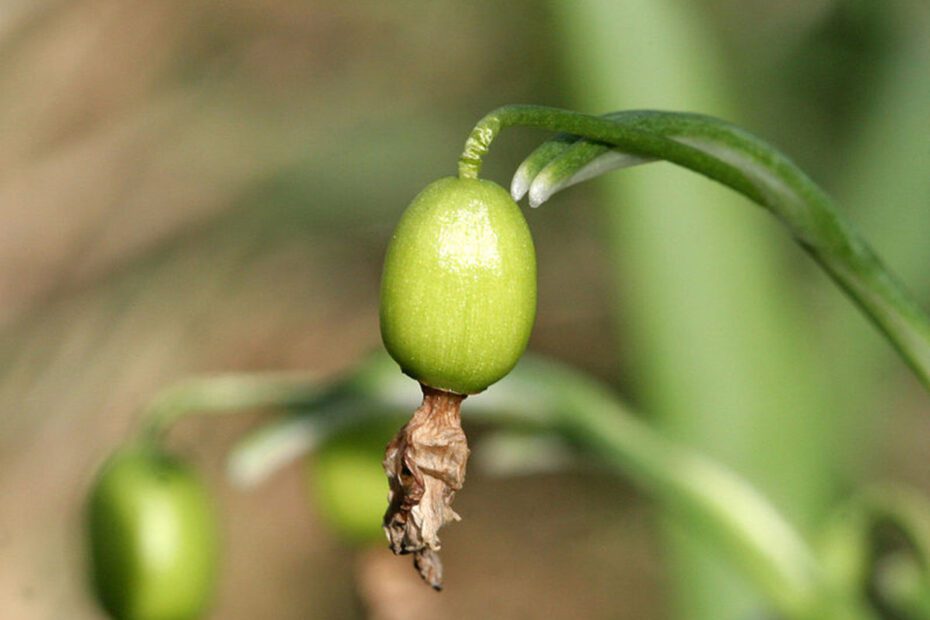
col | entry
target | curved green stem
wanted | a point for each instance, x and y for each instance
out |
(222, 395)
(550, 398)
(741, 161)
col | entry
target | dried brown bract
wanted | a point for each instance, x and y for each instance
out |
(425, 465)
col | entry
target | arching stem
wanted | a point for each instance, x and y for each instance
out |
(739, 160)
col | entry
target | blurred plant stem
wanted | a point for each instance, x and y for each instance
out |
(224, 394)
(544, 397)
(718, 340)
(389, 594)
(879, 542)
(885, 182)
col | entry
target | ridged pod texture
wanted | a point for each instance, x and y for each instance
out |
(153, 540)
(458, 293)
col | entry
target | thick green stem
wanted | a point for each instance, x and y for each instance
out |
(753, 168)
(709, 324)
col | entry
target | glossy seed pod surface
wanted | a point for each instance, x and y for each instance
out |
(153, 541)
(458, 293)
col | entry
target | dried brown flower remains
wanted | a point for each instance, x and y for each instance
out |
(425, 465)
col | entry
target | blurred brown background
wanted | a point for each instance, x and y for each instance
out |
(201, 186)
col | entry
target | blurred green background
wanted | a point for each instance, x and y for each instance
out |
(199, 186)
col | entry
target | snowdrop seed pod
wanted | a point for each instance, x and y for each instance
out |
(458, 300)
(153, 541)
(458, 294)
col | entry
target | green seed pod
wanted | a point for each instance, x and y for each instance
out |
(153, 542)
(458, 293)
(347, 484)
